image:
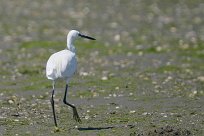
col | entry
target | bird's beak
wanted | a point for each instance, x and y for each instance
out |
(85, 36)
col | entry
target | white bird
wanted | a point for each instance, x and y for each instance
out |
(63, 64)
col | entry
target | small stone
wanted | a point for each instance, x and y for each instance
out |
(153, 82)
(117, 37)
(16, 120)
(164, 115)
(95, 94)
(87, 117)
(130, 94)
(117, 107)
(140, 53)
(14, 97)
(146, 78)
(146, 113)
(157, 86)
(113, 24)
(33, 104)
(41, 97)
(168, 63)
(159, 48)
(104, 78)
(133, 111)
(129, 54)
(173, 29)
(83, 74)
(169, 78)
(91, 106)
(117, 88)
(1, 117)
(33, 96)
(22, 99)
(201, 78)
(75, 126)
(10, 101)
(195, 92)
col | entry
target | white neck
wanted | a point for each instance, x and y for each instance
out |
(70, 44)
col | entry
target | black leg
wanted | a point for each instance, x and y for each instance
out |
(75, 113)
(53, 107)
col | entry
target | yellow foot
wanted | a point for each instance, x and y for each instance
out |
(56, 129)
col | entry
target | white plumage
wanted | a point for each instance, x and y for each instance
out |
(63, 64)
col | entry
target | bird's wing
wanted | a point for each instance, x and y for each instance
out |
(61, 64)
(68, 64)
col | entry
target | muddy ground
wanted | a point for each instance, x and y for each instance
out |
(144, 75)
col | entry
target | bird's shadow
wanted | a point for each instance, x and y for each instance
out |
(93, 128)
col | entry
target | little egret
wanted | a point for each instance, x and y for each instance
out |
(63, 64)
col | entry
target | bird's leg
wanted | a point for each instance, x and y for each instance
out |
(52, 103)
(75, 113)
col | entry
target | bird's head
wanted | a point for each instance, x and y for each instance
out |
(73, 34)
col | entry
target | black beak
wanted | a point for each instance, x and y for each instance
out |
(85, 36)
